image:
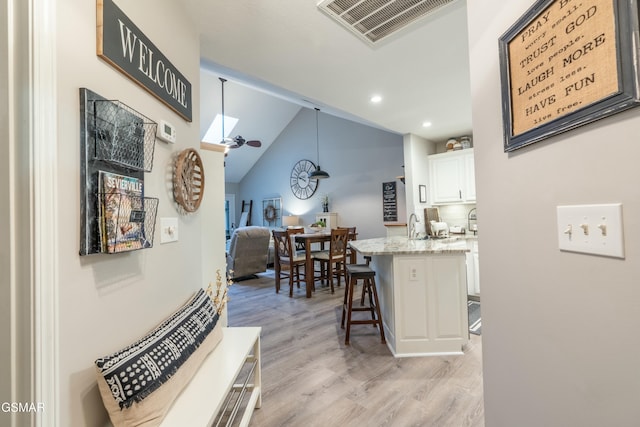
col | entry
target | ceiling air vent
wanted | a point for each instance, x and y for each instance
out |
(374, 20)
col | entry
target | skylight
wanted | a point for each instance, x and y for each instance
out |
(214, 133)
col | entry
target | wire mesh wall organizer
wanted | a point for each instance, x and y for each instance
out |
(123, 135)
(128, 222)
(116, 148)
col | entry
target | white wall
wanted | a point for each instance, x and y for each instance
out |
(559, 329)
(107, 301)
(358, 158)
(416, 171)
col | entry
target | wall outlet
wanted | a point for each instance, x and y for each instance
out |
(413, 273)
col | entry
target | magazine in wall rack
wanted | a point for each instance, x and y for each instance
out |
(121, 213)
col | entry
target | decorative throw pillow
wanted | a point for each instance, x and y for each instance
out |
(139, 383)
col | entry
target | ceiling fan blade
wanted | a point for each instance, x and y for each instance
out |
(254, 143)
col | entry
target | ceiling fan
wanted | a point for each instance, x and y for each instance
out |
(237, 141)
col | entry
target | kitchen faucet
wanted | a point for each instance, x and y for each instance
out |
(411, 229)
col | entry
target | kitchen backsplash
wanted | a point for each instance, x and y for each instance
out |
(455, 214)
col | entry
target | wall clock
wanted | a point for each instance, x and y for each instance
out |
(301, 186)
(188, 180)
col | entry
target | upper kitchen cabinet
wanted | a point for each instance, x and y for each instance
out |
(452, 177)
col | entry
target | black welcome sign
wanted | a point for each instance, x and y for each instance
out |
(121, 43)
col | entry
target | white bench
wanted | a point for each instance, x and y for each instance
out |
(204, 397)
(211, 389)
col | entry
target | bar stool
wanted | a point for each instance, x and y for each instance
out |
(362, 272)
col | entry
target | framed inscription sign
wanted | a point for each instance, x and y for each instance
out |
(566, 63)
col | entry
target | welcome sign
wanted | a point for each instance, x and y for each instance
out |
(122, 44)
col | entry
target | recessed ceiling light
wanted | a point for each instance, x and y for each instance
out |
(376, 99)
(426, 124)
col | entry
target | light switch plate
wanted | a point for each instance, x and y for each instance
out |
(168, 230)
(591, 229)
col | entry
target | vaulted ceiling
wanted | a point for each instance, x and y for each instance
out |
(279, 56)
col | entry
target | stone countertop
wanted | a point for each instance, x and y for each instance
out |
(401, 245)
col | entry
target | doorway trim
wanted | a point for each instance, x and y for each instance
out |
(231, 198)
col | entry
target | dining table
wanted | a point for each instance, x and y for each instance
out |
(308, 239)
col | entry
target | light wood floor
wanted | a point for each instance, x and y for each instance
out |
(310, 378)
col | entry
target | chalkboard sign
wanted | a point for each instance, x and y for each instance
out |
(389, 202)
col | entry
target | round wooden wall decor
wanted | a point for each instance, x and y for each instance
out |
(188, 180)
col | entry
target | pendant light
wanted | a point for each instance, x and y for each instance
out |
(318, 173)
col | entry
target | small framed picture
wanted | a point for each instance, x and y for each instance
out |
(422, 189)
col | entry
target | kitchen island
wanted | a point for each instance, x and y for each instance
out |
(422, 288)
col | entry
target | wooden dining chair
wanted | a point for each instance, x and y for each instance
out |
(296, 247)
(351, 253)
(286, 259)
(333, 261)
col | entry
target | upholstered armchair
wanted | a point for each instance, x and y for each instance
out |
(247, 252)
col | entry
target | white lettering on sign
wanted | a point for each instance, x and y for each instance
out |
(134, 49)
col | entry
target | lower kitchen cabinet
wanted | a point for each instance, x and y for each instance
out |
(473, 271)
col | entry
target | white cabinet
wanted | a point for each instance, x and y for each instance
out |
(476, 271)
(473, 272)
(469, 180)
(423, 298)
(446, 185)
(452, 177)
(231, 371)
(330, 218)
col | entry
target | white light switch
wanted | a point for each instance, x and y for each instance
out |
(592, 229)
(168, 230)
